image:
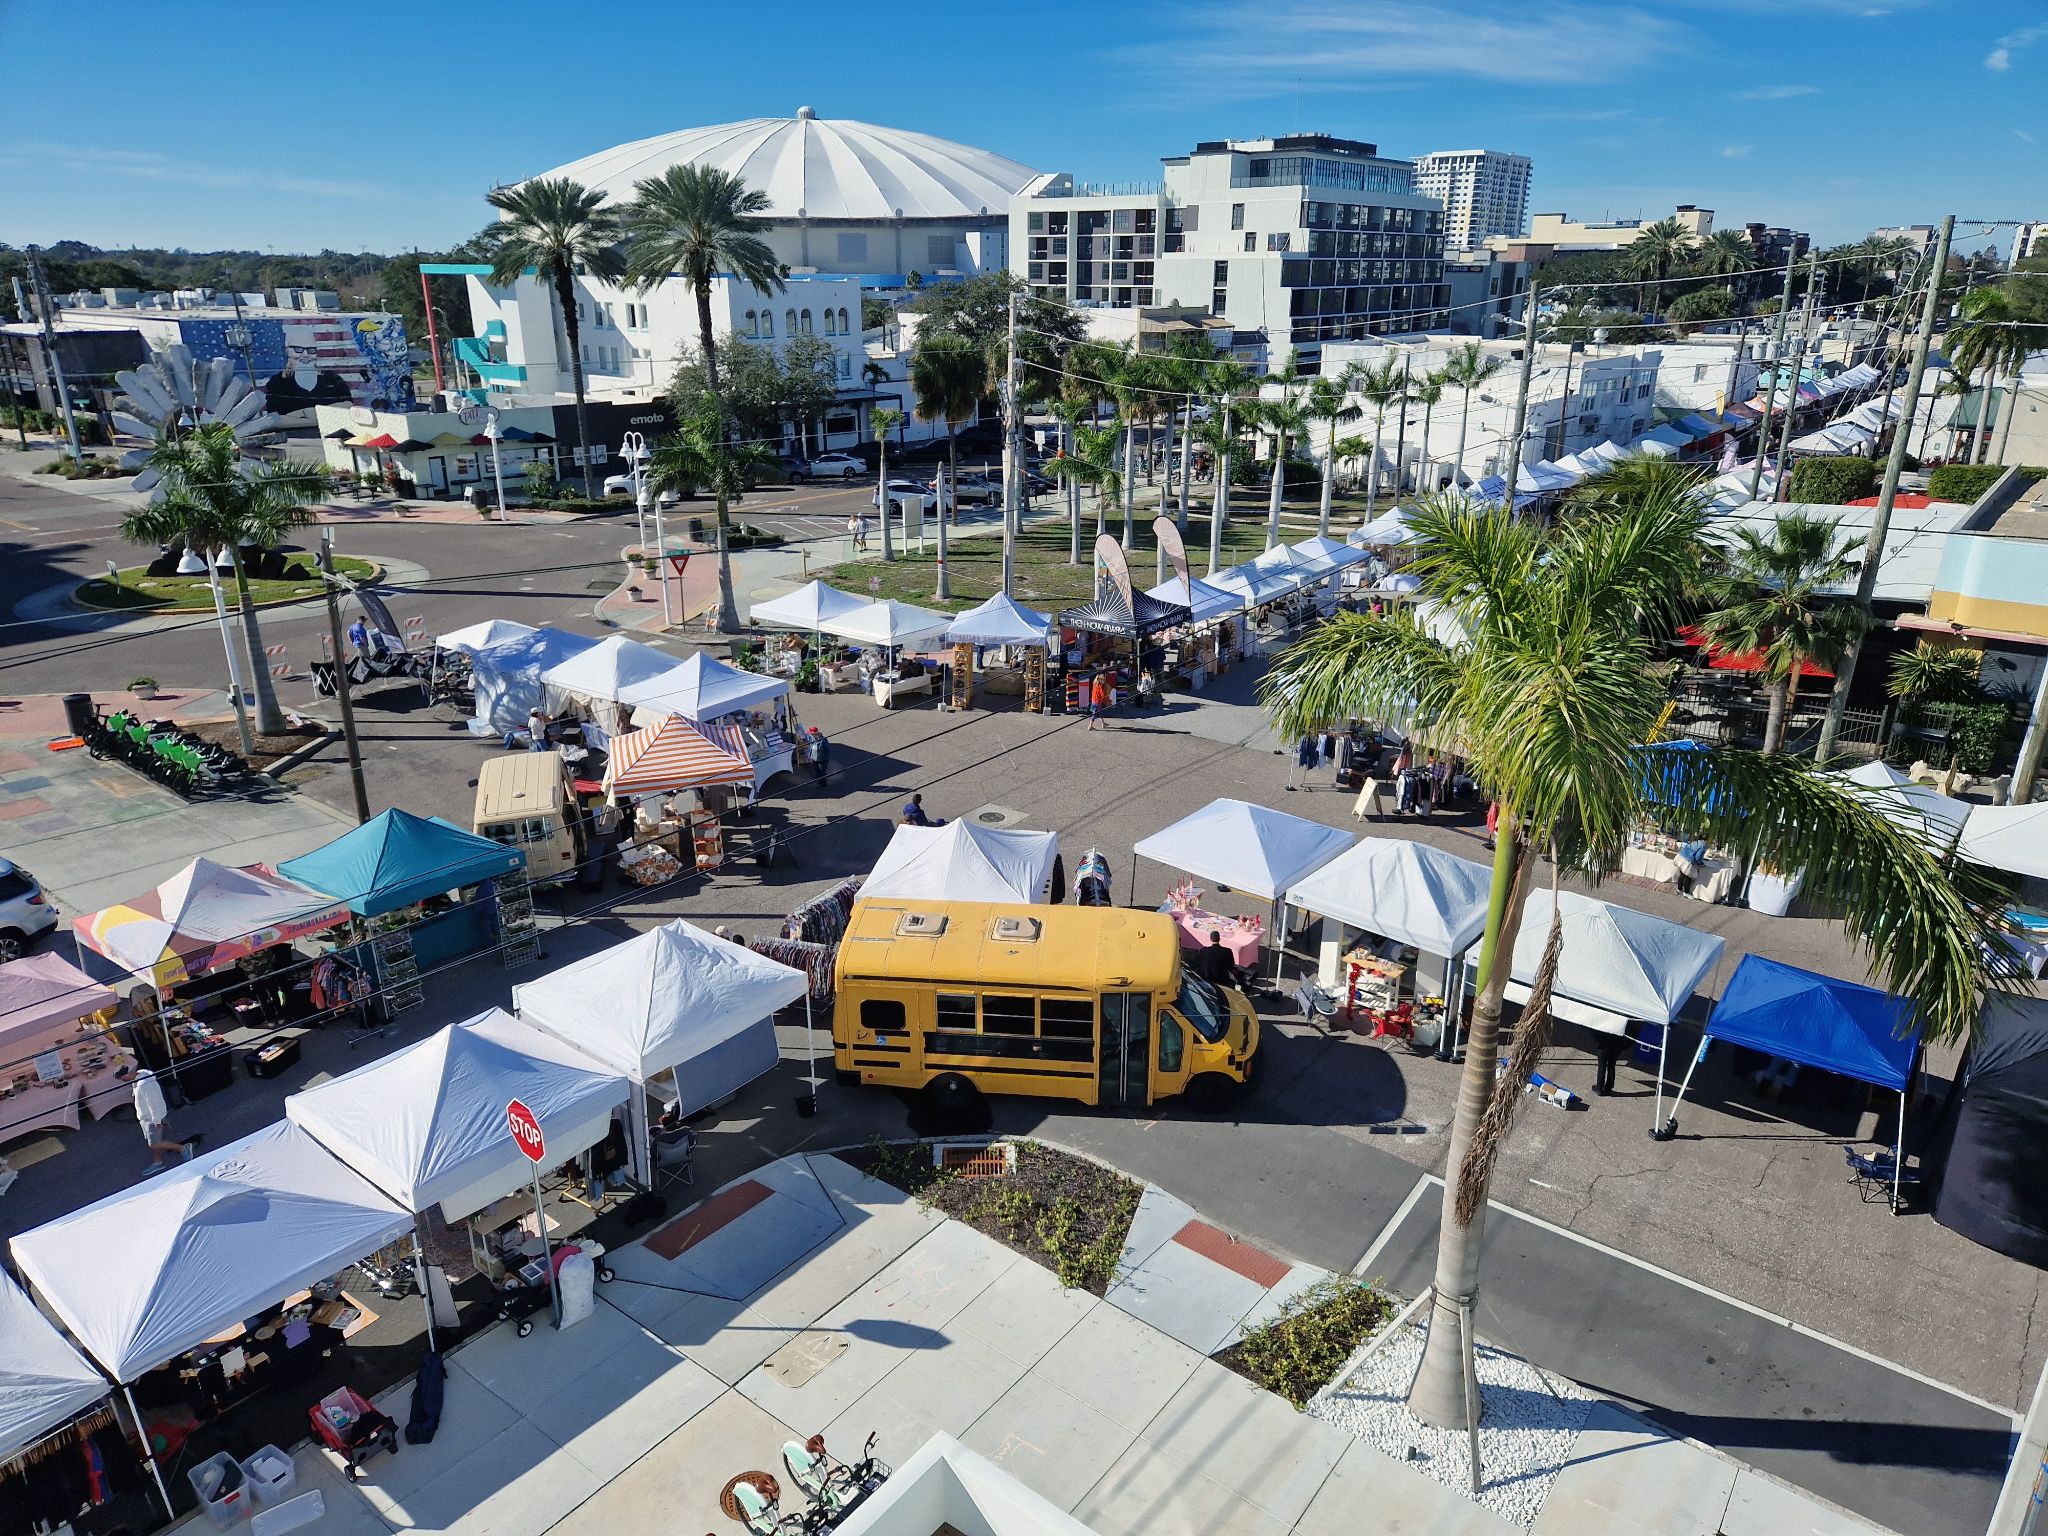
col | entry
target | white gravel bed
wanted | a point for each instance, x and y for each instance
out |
(1526, 1430)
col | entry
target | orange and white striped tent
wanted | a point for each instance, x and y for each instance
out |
(669, 756)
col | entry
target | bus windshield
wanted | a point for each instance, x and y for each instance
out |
(1202, 1005)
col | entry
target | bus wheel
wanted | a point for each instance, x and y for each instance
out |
(1212, 1092)
(951, 1094)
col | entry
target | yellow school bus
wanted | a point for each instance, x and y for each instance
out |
(1087, 1003)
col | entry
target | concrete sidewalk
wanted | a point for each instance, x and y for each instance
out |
(903, 1323)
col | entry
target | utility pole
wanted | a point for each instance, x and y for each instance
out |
(1763, 430)
(1792, 395)
(44, 307)
(1013, 411)
(1401, 434)
(1514, 444)
(341, 685)
(1895, 461)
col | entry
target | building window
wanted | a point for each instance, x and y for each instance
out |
(845, 326)
(1237, 215)
(1035, 223)
(831, 325)
(1251, 241)
(767, 323)
(806, 322)
(845, 366)
(752, 324)
(789, 322)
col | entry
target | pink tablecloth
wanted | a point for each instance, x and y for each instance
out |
(1195, 927)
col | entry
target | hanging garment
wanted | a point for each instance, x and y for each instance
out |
(1305, 752)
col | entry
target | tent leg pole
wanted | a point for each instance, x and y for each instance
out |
(1663, 1055)
(1669, 1128)
(156, 1472)
(810, 1046)
(1279, 934)
(419, 1261)
(1899, 1155)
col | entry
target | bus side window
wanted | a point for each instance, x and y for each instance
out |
(1067, 1018)
(1172, 1040)
(954, 1011)
(1003, 1014)
(882, 1016)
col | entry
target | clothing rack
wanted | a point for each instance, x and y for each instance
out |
(63, 1438)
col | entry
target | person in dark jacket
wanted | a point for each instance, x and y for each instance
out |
(1213, 963)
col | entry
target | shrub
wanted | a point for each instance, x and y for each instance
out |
(1300, 1351)
(1833, 482)
(1966, 482)
(1977, 733)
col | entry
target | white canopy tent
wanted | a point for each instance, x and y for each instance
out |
(888, 623)
(808, 607)
(1253, 585)
(161, 1267)
(44, 1381)
(1915, 806)
(2013, 838)
(964, 862)
(1000, 621)
(704, 688)
(1250, 848)
(1386, 529)
(1407, 891)
(1325, 556)
(672, 1003)
(481, 637)
(1284, 561)
(1205, 603)
(606, 672)
(426, 1124)
(506, 675)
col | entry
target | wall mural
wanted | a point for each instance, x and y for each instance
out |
(314, 359)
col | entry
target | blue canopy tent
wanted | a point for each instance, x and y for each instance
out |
(1817, 1021)
(397, 860)
(1662, 766)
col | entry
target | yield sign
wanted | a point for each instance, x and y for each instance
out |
(526, 1131)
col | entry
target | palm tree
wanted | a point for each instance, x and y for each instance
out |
(1093, 461)
(882, 421)
(696, 222)
(1283, 418)
(1133, 399)
(1229, 384)
(1348, 449)
(1545, 696)
(1467, 369)
(1724, 253)
(556, 227)
(1772, 600)
(1996, 336)
(1428, 390)
(700, 452)
(1328, 404)
(1653, 254)
(947, 372)
(1382, 386)
(211, 498)
(1070, 413)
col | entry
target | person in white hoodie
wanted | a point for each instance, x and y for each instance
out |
(153, 1115)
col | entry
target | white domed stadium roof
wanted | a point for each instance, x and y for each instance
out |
(821, 168)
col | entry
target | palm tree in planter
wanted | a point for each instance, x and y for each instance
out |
(1327, 405)
(1540, 679)
(695, 222)
(1382, 386)
(1467, 370)
(1771, 597)
(882, 421)
(947, 376)
(557, 227)
(1093, 460)
(211, 498)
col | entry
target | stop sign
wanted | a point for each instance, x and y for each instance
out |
(526, 1131)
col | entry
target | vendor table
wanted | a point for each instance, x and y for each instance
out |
(66, 1072)
(1711, 878)
(889, 689)
(207, 1072)
(1196, 925)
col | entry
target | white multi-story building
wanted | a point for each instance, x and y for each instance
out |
(1302, 240)
(1484, 192)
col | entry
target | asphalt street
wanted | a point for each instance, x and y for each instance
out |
(1750, 1203)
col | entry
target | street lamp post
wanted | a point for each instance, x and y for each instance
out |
(634, 446)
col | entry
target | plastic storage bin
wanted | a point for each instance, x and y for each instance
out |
(270, 1476)
(223, 1490)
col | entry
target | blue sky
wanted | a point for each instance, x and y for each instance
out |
(380, 125)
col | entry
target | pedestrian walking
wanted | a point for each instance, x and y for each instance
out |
(1098, 702)
(154, 1116)
(359, 637)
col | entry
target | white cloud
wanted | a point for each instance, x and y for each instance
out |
(146, 165)
(1999, 59)
(1272, 48)
(1736, 151)
(2023, 136)
(1777, 92)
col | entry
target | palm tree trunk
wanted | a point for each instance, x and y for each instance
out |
(1072, 439)
(1774, 721)
(1329, 478)
(1438, 1396)
(728, 605)
(1425, 480)
(1130, 487)
(882, 497)
(1279, 487)
(1372, 470)
(1464, 416)
(1187, 459)
(572, 328)
(269, 714)
(944, 588)
(1219, 516)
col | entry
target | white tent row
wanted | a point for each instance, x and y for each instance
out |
(806, 608)
(1835, 437)
(506, 675)
(427, 1126)
(679, 1012)
(44, 1382)
(701, 688)
(1249, 848)
(1205, 602)
(887, 623)
(1389, 528)
(1000, 621)
(1915, 806)
(965, 862)
(605, 673)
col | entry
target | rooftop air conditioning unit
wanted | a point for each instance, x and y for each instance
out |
(1017, 930)
(920, 925)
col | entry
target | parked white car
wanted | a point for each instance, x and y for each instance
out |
(908, 493)
(622, 485)
(836, 466)
(25, 911)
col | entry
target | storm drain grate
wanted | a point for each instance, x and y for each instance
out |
(991, 1162)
